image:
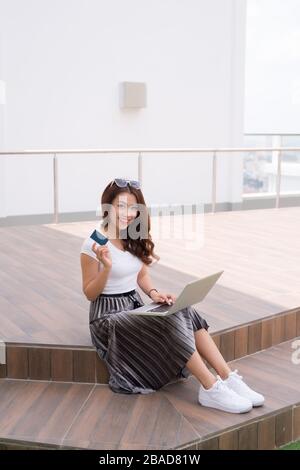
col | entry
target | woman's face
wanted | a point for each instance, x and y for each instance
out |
(126, 208)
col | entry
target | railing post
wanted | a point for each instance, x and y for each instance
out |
(214, 182)
(55, 188)
(140, 169)
(276, 155)
(278, 179)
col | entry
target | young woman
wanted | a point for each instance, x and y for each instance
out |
(145, 353)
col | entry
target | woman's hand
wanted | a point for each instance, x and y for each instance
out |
(103, 255)
(162, 297)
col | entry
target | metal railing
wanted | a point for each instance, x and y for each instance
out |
(139, 152)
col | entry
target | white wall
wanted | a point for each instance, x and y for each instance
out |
(62, 63)
(273, 67)
(2, 131)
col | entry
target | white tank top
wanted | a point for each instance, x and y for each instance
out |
(125, 268)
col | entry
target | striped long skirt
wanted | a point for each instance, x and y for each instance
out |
(142, 353)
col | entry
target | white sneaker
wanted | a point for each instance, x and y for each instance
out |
(221, 397)
(236, 383)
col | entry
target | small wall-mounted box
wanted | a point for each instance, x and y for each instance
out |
(133, 95)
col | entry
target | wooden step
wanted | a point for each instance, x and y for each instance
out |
(44, 315)
(53, 414)
(82, 364)
(41, 299)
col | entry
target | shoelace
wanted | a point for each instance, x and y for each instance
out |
(237, 375)
(222, 386)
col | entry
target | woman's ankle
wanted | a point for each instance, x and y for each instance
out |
(224, 374)
(208, 384)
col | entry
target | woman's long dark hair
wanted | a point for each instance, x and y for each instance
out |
(141, 247)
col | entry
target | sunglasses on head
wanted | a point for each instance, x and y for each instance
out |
(122, 183)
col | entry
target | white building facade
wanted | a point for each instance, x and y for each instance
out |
(61, 63)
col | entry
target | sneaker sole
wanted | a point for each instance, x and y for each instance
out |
(256, 405)
(228, 410)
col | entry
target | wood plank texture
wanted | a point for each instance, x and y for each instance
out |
(41, 301)
(94, 417)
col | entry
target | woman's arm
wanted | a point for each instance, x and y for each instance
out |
(93, 282)
(145, 283)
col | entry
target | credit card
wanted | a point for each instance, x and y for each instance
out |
(98, 237)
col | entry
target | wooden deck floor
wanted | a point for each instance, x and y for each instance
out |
(253, 312)
(92, 416)
(41, 301)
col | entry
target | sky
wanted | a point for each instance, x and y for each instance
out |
(272, 95)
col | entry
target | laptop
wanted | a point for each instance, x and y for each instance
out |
(193, 293)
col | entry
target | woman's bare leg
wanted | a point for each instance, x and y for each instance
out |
(208, 349)
(197, 367)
